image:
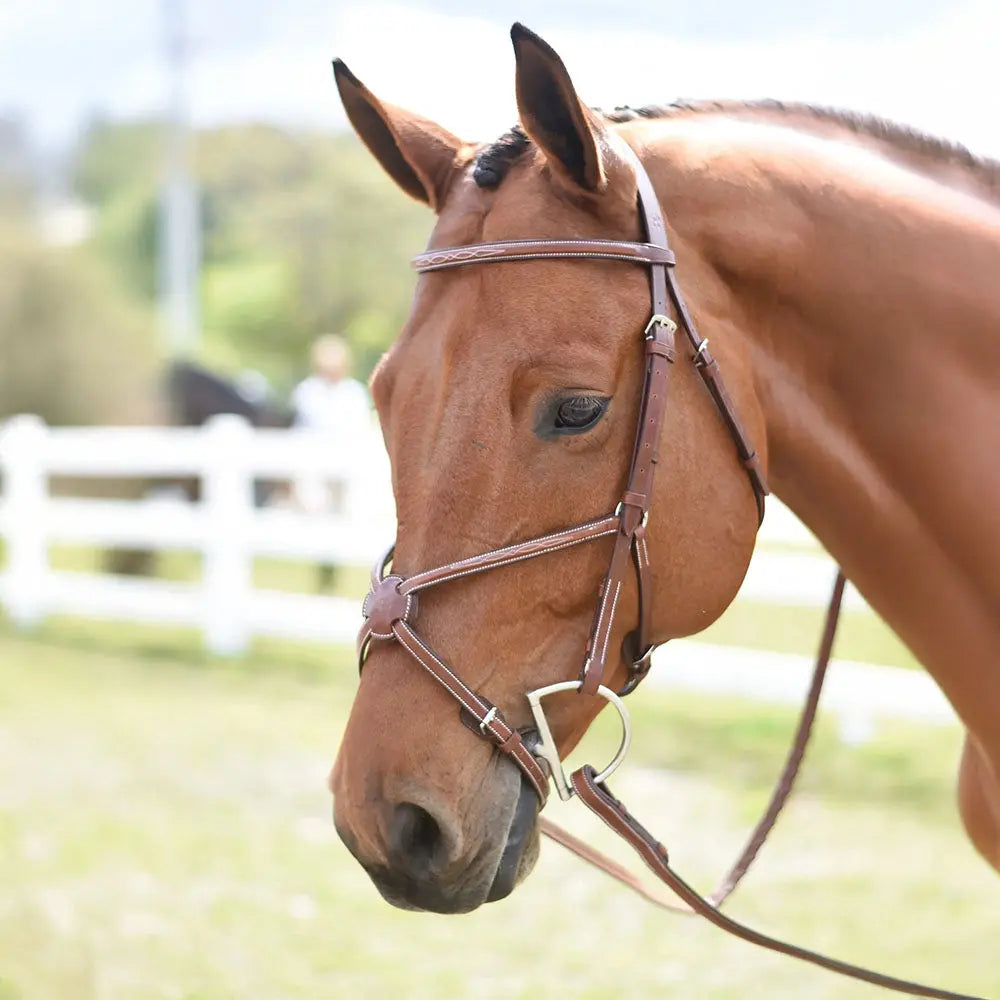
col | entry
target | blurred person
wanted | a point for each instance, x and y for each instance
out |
(332, 403)
(330, 400)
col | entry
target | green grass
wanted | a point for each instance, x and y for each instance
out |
(861, 636)
(165, 833)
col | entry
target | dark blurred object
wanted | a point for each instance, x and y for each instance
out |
(195, 394)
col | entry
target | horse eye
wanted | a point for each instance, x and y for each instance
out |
(578, 413)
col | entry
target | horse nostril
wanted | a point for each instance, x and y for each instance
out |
(416, 841)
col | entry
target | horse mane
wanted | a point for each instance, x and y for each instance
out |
(909, 144)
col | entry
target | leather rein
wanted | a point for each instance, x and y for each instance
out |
(390, 608)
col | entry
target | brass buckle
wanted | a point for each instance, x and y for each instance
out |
(546, 747)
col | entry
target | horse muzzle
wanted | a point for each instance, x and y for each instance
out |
(426, 860)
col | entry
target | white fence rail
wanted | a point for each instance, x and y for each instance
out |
(227, 456)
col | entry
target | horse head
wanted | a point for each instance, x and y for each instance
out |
(509, 405)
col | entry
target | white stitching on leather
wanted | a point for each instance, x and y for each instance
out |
(477, 707)
(535, 541)
(574, 781)
(643, 552)
(472, 255)
(467, 248)
(534, 241)
(604, 603)
(510, 548)
(611, 619)
(568, 255)
(458, 256)
(406, 612)
(515, 559)
(625, 818)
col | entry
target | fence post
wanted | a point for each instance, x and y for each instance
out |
(22, 461)
(367, 480)
(227, 499)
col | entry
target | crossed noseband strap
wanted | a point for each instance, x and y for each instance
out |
(391, 607)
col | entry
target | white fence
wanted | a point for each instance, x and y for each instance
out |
(227, 455)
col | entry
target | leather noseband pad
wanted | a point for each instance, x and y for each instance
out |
(385, 605)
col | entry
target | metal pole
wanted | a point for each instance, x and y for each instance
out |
(179, 239)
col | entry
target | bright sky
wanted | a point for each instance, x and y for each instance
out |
(928, 63)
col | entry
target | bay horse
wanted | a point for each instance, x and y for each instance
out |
(845, 271)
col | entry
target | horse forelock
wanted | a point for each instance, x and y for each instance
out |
(493, 161)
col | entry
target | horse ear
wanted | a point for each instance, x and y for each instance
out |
(570, 134)
(418, 154)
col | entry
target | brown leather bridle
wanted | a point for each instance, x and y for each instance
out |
(390, 608)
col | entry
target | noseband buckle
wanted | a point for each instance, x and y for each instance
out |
(546, 748)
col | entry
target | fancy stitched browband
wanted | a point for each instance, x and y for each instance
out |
(391, 606)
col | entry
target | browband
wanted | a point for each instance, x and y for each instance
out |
(641, 253)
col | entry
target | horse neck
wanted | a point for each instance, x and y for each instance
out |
(864, 297)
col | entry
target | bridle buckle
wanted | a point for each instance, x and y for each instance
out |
(637, 671)
(619, 510)
(658, 319)
(487, 719)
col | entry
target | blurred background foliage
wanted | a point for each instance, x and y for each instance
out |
(74, 349)
(294, 228)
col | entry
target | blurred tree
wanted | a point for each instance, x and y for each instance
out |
(302, 235)
(115, 159)
(117, 170)
(75, 350)
(250, 305)
(71, 348)
(125, 237)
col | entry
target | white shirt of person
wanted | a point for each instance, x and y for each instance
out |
(340, 408)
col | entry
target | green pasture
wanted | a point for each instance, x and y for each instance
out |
(165, 833)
